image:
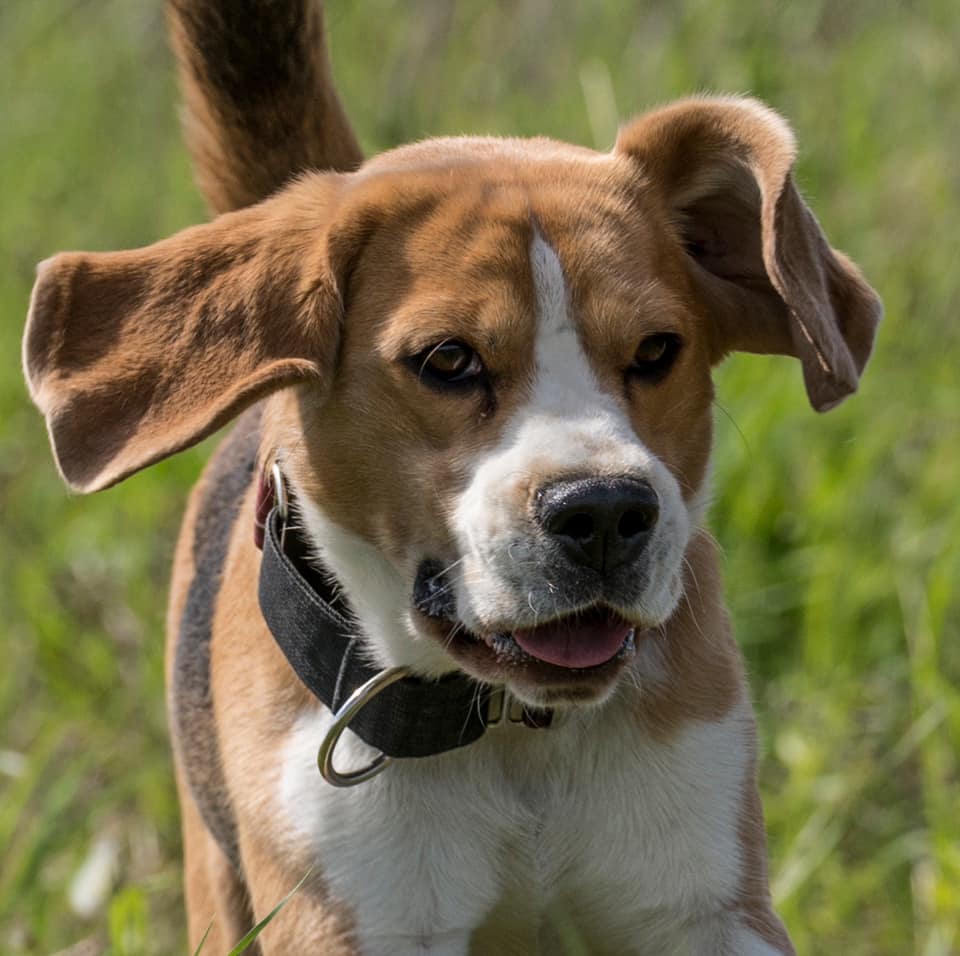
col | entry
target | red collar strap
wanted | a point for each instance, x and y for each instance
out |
(266, 497)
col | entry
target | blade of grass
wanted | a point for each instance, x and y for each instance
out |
(259, 928)
(203, 938)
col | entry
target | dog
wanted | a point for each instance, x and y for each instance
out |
(453, 548)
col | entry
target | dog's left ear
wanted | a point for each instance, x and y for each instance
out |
(132, 356)
(723, 168)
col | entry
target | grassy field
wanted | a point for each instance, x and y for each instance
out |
(841, 532)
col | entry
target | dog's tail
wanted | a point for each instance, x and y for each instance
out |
(260, 104)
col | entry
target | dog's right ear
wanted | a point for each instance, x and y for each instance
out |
(133, 356)
(723, 167)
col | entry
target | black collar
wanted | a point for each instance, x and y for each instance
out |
(411, 717)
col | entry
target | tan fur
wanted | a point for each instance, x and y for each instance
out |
(316, 299)
(703, 669)
(217, 894)
(216, 891)
(260, 104)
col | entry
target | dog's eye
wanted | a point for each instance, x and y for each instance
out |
(450, 363)
(654, 356)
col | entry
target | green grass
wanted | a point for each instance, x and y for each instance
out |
(840, 532)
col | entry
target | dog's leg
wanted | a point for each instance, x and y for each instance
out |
(217, 895)
(310, 921)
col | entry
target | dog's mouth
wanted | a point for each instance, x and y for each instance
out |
(579, 641)
(578, 653)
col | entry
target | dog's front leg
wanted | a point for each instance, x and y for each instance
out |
(738, 933)
(455, 943)
(404, 864)
(297, 932)
(311, 920)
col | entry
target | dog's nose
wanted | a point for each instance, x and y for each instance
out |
(601, 523)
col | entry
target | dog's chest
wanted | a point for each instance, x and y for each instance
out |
(590, 823)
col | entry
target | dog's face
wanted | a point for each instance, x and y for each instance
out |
(518, 428)
(500, 440)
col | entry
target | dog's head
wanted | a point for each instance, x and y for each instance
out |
(499, 440)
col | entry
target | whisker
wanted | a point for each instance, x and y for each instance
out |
(474, 704)
(733, 421)
(451, 566)
(454, 631)
(693, 574)
(690, 607)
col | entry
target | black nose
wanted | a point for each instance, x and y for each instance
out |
(601, 523)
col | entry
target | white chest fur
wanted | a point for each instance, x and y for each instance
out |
(627, 837)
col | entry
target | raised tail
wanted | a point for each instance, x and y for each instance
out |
(260, 104)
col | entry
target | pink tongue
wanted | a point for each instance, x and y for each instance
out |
(576, 642)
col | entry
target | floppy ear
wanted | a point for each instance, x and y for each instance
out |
(133, 356)
(723, 166)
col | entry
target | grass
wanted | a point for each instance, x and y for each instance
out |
(840, 532)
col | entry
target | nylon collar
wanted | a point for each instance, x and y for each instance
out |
(410, 717)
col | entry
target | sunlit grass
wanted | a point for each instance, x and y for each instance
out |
(840, 532)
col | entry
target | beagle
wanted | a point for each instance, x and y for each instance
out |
(454, 548)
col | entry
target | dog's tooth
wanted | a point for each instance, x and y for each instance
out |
(505, 646)
(629, 645)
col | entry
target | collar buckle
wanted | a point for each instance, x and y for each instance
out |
(341, 719)
(502, 705)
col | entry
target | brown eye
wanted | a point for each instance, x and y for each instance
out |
(654, 356)
(449, 363)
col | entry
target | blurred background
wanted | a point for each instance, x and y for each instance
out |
(840, 532)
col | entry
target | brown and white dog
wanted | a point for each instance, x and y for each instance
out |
(489, 358)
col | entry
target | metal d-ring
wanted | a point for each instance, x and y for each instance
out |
(351, 707)
(282, 500)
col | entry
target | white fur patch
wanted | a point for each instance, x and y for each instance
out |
(631, 836)
(569, 426)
